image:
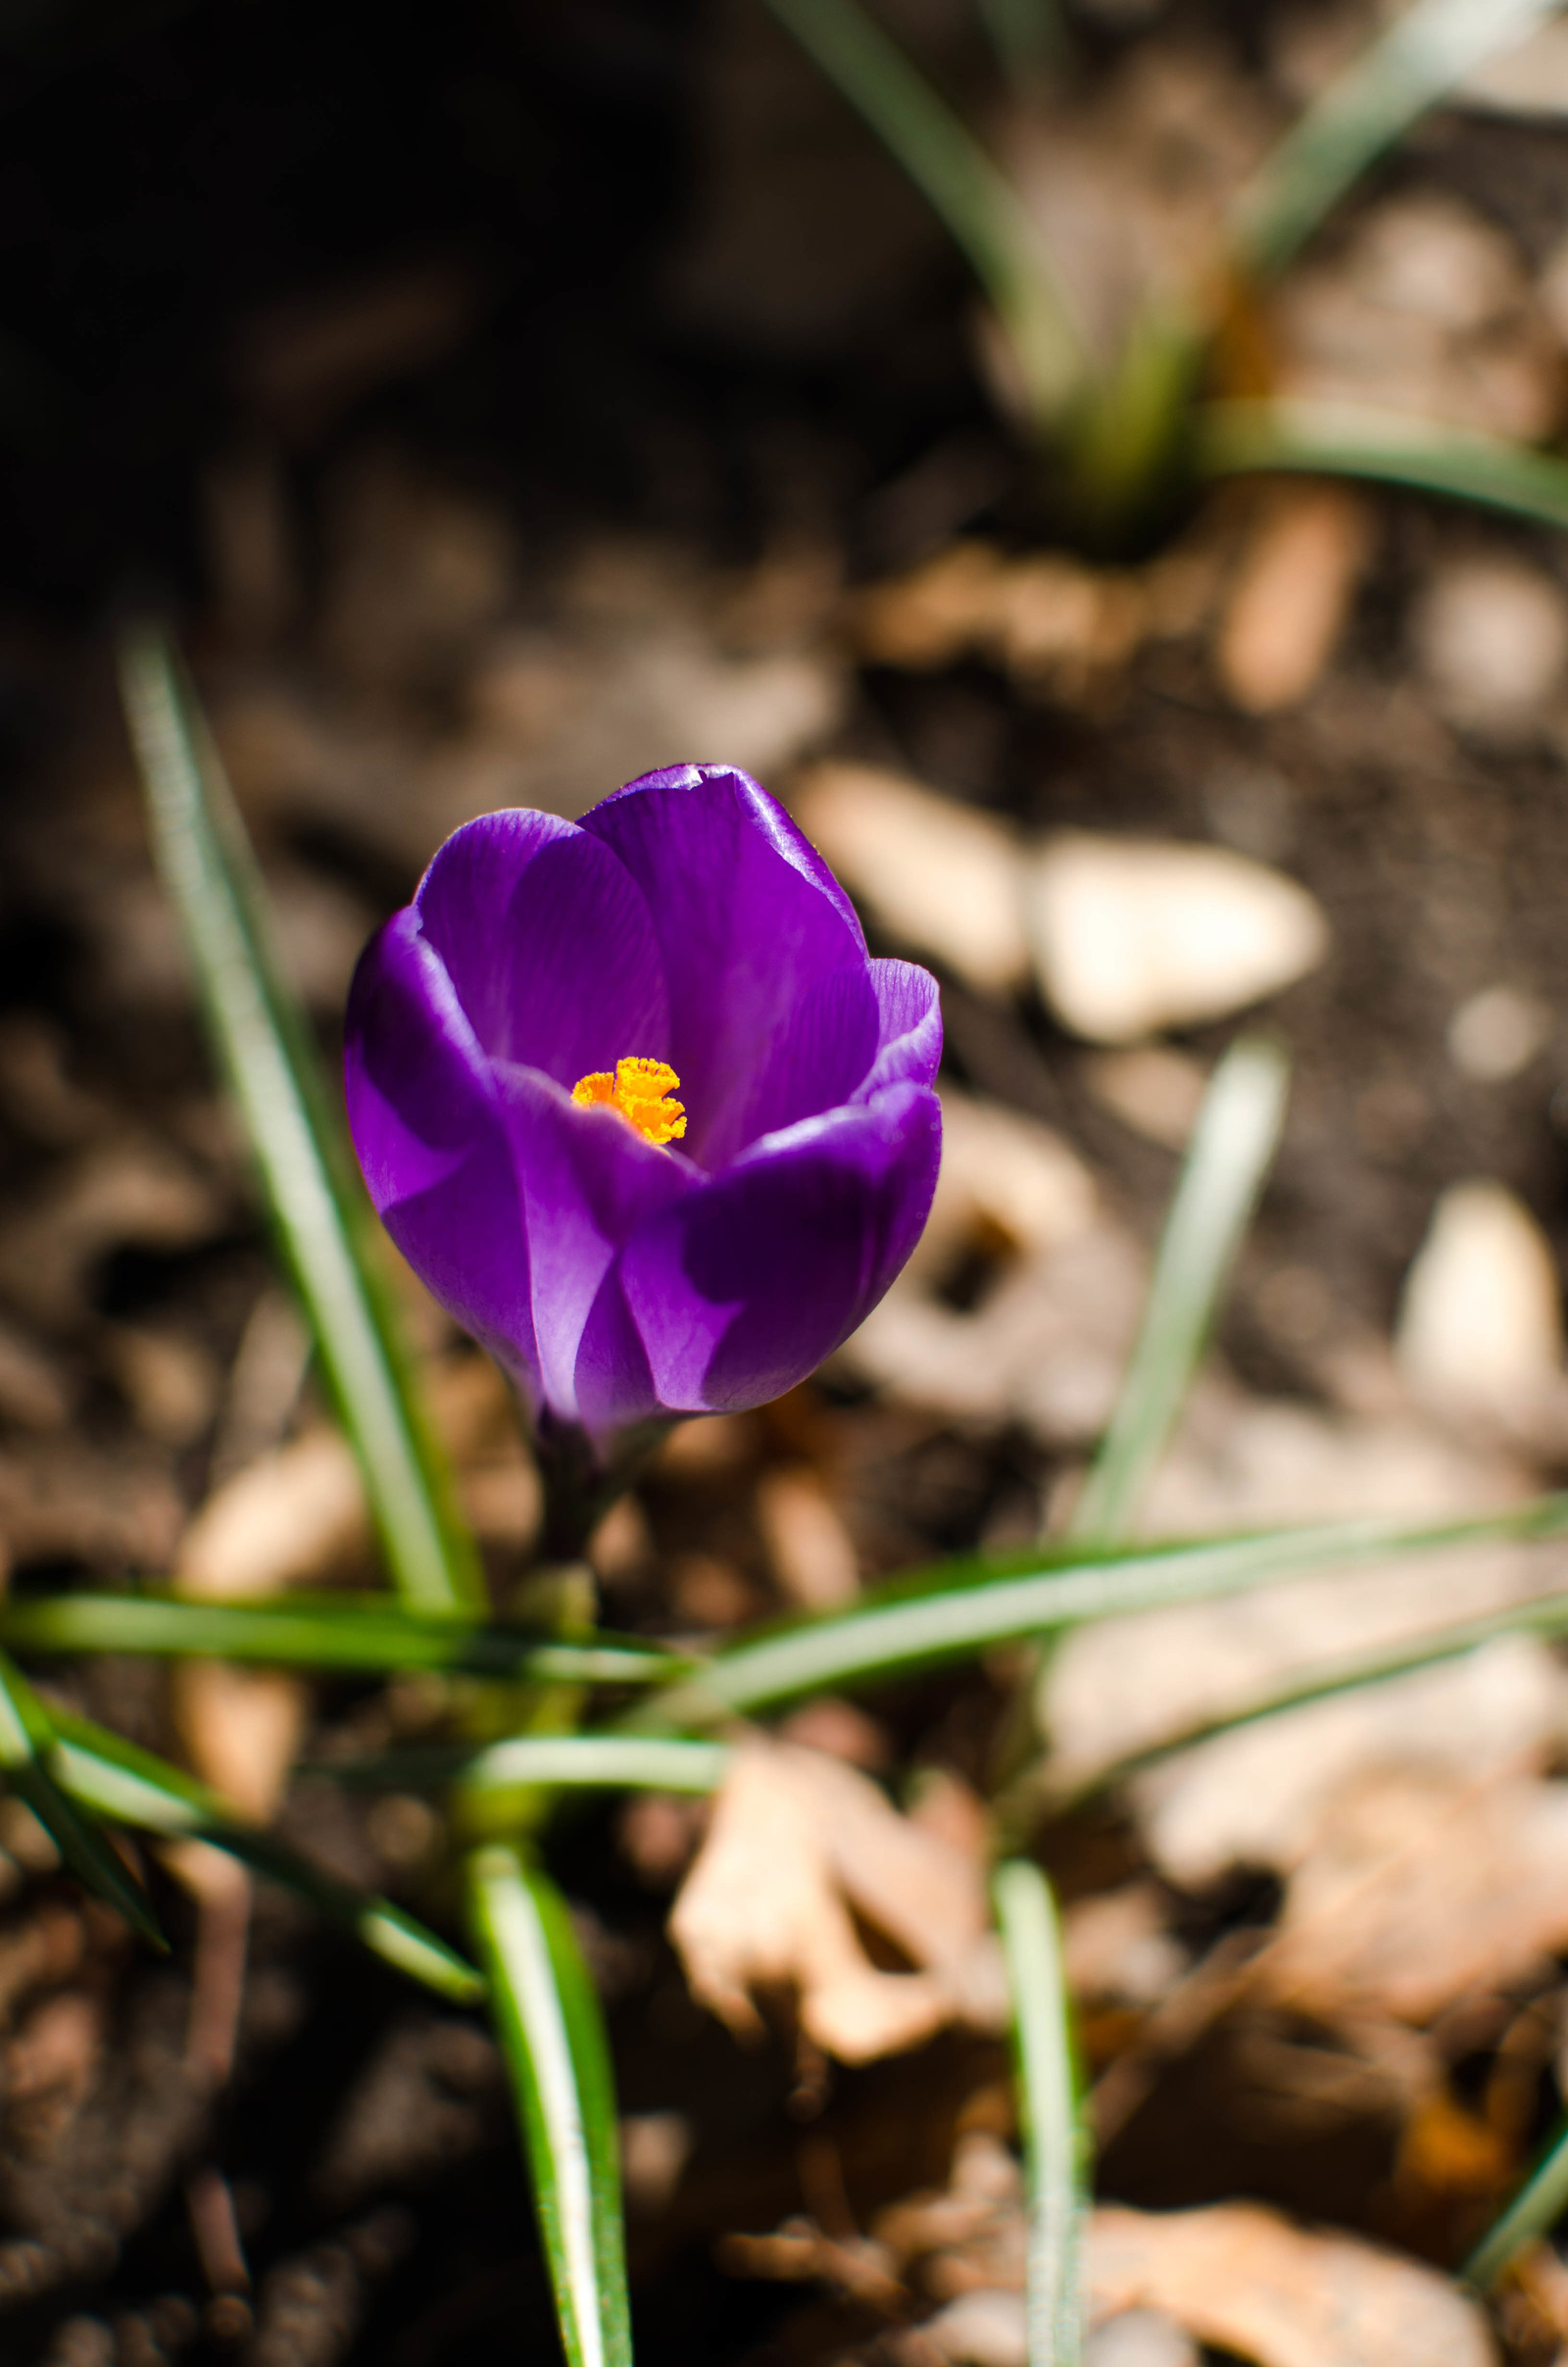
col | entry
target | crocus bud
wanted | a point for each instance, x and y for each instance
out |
(638, 1107)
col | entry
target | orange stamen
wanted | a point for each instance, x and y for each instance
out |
(640, 1090)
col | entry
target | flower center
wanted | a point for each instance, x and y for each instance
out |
(640, 1090)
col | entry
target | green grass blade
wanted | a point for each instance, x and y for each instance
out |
(1349, 439)
(1533, 2213)
(323, 1631)
(320, 1216)
(1232, 1147)
(570, 1762)
(975, 202)
(28, 1739)
(1544, 1615)
(552, 2035)
(965, 1609)
(134, 1786)
(1055, 2141)
(1428, 49)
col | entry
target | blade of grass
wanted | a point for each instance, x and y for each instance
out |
(1054, 2134)
(1545, 1616)
(1346, 439)
(975, 202)
(1532, 2215)
(552, 2033)
(1232, 1147)
(27, 1741)
(572, 1763)
(1428, 49)
(136, 1788)
(323, 1631)
(321, 1218)
(966, 1608)
(1228, 1159)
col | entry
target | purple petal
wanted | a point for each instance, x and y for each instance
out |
(749, 922)
(908, 1027)
(587, 1181)
(549, 945)
(431, 1141)
(739, 1290)
(817, 1056)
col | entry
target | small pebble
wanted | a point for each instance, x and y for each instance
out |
(1492, 638)
(1480, 1326)
(1497, 1033)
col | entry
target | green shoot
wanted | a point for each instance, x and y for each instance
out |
(133, 1786)
(321, 1630)
(27, 1747)
(1428, 49)
(553, 2035)
(965, 1607)
(1232, 1147)
(973, 200)
(1056, 2147)
(320, 1216)
(1349, 439)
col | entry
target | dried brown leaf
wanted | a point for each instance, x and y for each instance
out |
(799, 1846)
(1242, 2279)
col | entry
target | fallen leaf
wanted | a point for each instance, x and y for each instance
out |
(1266, 1793)
(797, 1842)
(1423, 1883)
(1130, 1685)
(1242, 2279)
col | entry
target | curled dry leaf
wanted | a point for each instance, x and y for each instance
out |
(1244, 2279)
(800, 1844)
(1424, 1885)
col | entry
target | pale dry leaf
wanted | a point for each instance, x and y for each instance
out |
(1007, 1183)
(1424, 1884)
(296, 1515)
(1262, 1796)
(1288, 606)
(1126, 1686)
(799, 1840)
(938, 876)
(1242, 2279)
(1130, 935)
(1045, 1346)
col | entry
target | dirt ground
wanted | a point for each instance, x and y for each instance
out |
(507, 401)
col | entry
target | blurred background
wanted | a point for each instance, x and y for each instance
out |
(506, 400)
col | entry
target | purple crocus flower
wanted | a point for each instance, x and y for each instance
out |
(514, 1040)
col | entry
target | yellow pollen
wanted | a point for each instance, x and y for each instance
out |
(640, 1090)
